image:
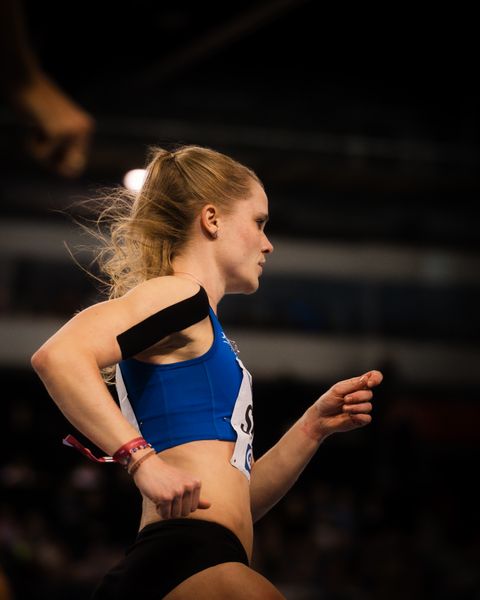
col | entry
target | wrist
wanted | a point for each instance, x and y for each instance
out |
(127, 452)
(136, 462)
(137, 456)
(311, 426)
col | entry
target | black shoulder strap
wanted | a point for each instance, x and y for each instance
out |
(174, 318)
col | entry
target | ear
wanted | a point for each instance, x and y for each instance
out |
(209, 218)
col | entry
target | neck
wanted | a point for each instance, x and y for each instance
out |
(191, 275)
(204, 276)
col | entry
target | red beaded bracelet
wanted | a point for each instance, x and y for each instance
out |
(137, 463)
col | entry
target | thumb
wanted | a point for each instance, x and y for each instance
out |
(204, 504)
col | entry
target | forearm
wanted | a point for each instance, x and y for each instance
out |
(344, 407)
(278, 469)
(75, 384)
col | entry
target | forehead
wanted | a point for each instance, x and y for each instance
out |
(257, 201)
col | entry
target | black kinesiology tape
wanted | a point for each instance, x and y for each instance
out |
(174, 318)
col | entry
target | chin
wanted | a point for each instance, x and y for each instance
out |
(247, 286)
(252, 286)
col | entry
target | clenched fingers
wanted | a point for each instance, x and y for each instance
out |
(176, 509)
(364, 407)
(364, 382)
(182, 504)
(186, 506)
(360, 396)
(195, 498)
(171, 508)
(164, 508)
(360, 420)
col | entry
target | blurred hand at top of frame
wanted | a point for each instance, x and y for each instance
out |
(58, 130)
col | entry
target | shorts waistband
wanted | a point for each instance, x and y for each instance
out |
(169, 524)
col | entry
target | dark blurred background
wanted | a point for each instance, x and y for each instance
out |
(365, 130)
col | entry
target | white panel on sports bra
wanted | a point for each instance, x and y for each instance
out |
(125, 405)
(242, 422)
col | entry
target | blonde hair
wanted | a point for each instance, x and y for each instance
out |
(146, 230)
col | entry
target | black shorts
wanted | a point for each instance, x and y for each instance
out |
(166, 553)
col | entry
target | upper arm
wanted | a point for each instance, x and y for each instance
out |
(94, 330)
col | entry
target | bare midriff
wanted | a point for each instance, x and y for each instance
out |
(223, 485)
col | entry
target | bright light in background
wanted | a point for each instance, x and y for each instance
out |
(134, 179)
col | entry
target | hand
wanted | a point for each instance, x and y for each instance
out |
(345, 406)
(59, 131)
(174, 492)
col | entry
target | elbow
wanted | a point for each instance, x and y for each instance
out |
(55, 356)
(36, 360)
(39, 360)
(47, 358)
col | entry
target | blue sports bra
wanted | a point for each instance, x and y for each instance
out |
(204, 398)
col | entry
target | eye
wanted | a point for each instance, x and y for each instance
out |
(261, 222)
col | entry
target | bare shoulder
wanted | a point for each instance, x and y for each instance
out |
(95, 329)
(156, 294)
(145, 299)
(142, 301)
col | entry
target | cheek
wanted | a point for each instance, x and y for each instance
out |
(243, 241)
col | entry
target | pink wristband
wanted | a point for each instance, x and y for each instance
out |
(124, 453)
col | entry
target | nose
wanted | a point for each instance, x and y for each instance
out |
(267, 247)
